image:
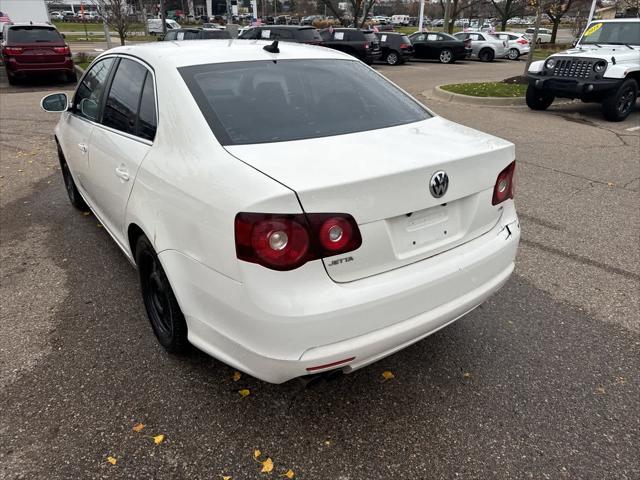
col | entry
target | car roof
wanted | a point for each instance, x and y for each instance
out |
(290, 27)
(184, 53)
(31, 24)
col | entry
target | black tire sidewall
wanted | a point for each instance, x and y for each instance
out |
(486, 55)
(391, 54)
(538, 100)
(609, 104)
(176, 340)
(450, 55)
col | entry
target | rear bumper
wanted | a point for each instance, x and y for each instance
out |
(277, 325)
(15, 67)
(572, 88)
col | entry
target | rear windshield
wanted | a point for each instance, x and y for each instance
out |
(405, 39)
(268, 101)
(309, 35)
(33, 34)
(370, 37)
(209, 34)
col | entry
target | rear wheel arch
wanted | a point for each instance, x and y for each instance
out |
(134, 232)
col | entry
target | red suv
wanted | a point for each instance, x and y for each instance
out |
(29, 48)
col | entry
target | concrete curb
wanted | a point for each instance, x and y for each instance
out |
(443, 95)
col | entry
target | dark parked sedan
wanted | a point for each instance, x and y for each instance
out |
(283, 33)
(439, 46)
(396, 48)
(196, 34)
(362, 44)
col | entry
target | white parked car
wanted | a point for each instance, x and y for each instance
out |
(155, 25)
(484, 46)
(273, 223)
(544, 35)
(517, 43)
(603, 67)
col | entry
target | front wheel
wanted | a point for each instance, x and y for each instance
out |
(393, 58)
(514, 54)
(618, 105)
(486, 55)
(446, 56)
(164, 313)
(537, 99)
(70, 185)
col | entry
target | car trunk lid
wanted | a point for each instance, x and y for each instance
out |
(382, 178)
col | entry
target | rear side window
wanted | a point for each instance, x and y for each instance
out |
(405, 39)
(282, 34)
(33, 34)
(308, 35)
(170, 36)
(263, 101)
(121, 108)
(147, 119)
(191, 35)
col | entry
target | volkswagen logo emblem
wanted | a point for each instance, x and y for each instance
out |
(439, 184)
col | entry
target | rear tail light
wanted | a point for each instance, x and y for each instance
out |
(405, 45)
(64, 50)
(366, 46)
(13, 50)
(288, 241)
(467, 43)
(504, 188)
(522, 41)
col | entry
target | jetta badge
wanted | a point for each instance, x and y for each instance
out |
(439, 184)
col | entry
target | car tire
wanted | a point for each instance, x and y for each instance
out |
(537, 99)
(70, 185)
(446, 56)
(486, 55)
(393, 58)
(163, 311)
(539, 41)
(12, 78)
(72, 77)
(514, 54)
(618, 105)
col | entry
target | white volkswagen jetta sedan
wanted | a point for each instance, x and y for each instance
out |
(289, 210)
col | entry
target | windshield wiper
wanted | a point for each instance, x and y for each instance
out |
(629, 46)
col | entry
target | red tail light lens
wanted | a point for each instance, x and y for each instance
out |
(504, 187)
(286, 242)
(366, 46)
(64, 50)
(13, 50)
(405, 45)
(522, 41)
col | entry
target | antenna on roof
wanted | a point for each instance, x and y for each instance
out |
(273, 48)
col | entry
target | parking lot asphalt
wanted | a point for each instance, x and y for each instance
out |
(540, 382)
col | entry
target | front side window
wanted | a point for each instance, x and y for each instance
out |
(89, 93)
(121, 108)
(170, 36)
(263, 101)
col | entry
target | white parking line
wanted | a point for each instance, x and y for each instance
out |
(633, 129)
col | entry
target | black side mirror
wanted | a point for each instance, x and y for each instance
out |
(56, 102)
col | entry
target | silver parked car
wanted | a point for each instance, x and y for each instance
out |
(484, 46)
(517, 43)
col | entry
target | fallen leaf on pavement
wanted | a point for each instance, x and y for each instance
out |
(466, 375)
(387, 375)
(244, 392)
(86, 213)
(138, 427)
(289, 474)
(256, 453)
(158, 439)
(600, 389)
(267, 465)
(112, 460)
(236, 376)
(226, 477)
(611, 184)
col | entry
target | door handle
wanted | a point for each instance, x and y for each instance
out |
(123, 173)
(83, 147)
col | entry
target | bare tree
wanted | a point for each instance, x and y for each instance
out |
(456, 7)
(116, 14)
(507, 9)
(359, 9)
(555, 10)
